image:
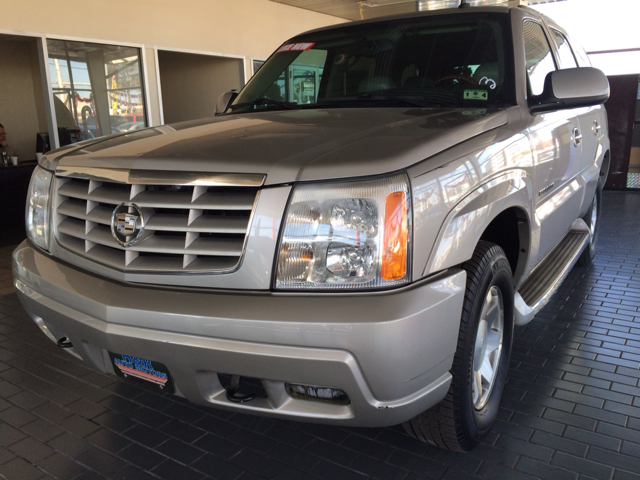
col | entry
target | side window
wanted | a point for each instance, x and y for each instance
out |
(564, 50)
(538, 57)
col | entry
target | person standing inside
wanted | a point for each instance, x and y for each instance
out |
(4, 145)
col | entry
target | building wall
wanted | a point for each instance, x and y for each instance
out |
(251, 28)
(184, 77)
(21, 96)
(240, 29)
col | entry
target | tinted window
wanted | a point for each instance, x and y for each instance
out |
(538, 57)
(451, 61)
(564, 50)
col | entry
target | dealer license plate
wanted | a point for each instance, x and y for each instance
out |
(142, 370)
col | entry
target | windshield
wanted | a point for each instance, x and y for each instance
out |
(448, 60)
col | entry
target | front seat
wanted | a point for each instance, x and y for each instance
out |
(412, 83)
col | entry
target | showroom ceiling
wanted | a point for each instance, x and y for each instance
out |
(361, 9)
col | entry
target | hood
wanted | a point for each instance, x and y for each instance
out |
(293, 145)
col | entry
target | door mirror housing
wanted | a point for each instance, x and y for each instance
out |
(572, 88)
(225, 100)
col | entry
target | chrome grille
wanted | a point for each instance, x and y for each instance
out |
(188, 228)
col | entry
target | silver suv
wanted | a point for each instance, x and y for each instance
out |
(350, 240)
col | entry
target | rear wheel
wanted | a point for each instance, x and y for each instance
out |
(592, 220)
(481, 361)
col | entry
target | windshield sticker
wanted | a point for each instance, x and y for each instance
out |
(295, 47)
(476, 95)
(488, 81)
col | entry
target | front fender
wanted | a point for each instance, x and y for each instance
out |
(466, 222)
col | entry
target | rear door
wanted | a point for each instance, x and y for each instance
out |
(583, 115)
(591, 119)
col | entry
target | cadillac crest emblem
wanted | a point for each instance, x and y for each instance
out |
(127, 224)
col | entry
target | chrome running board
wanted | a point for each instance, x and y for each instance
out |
(543, 282)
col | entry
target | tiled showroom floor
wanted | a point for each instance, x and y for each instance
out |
(571, 408)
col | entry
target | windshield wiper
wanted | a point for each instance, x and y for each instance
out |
(268, 101)
(409, 101)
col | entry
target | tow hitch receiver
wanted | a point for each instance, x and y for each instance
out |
(64, 342)
(232, 389)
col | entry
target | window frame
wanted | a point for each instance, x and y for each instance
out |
(554, 55)
(556, 31)
(582, 53)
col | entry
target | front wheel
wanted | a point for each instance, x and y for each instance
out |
(481, 361)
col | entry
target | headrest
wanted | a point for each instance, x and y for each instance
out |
(374, 84)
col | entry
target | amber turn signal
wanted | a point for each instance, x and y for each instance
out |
(396, 237)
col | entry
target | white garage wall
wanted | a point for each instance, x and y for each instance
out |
(617, 63)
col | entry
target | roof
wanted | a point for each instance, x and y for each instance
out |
(411, 15)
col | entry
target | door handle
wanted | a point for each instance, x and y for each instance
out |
(596, 127)
(577, 137)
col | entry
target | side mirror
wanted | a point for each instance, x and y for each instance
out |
(224, 101)
(572, 88)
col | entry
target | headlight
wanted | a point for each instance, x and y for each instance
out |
(347, 235)
(37, 212)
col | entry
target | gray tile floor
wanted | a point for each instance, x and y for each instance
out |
(571, 408)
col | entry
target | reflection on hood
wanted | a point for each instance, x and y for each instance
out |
(293, 145)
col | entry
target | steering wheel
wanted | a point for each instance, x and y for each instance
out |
(457, 76)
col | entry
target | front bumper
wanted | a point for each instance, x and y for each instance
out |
(390, 352)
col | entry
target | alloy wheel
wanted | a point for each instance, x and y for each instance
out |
(488, 347)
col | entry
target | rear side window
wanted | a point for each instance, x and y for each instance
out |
(581, 55)
(538, 57)
(564, 50)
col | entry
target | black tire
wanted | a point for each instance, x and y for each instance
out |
(460, 422)
(590, 218)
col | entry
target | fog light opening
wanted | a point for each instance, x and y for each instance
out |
(317, 394)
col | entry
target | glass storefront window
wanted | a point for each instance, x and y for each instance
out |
(97, 89)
